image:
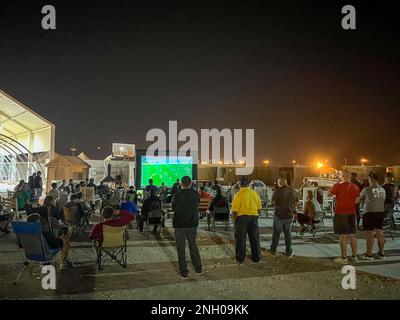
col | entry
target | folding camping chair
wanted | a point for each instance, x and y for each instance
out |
(30, 239)
(388, 226)
(220, 215)
(113, 246)
(156, 218)
(204, 204)
(319, 225)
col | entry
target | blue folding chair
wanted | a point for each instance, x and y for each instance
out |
(30, 239)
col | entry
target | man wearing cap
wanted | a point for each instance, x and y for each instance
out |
(246, 208)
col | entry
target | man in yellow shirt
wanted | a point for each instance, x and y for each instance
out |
(246, 207)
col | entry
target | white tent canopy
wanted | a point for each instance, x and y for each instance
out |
(25, 126)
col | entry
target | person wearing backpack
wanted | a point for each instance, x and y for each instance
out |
(151, 204)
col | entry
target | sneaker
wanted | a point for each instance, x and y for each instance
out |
(367, 257)
(342, 260)
(380, 255)
(65, 265)
(289, 255)
(354, 259)
(199, 273)
(184, 277)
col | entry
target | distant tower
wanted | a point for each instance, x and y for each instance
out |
(73, 149)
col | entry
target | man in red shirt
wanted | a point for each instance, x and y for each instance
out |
(344, 222)
(113, 218)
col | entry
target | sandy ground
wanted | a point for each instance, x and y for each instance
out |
(152, 274)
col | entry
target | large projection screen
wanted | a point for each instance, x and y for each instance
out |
(165, 169)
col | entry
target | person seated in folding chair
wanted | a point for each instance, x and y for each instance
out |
(218, 201)
(307, 218)
(62, 201)
(110, 201)
(112, 218)
(6, 216)
(85, 207)
(205, 200)
(132, 195)
(129, 206)
(56, 235)
(46, 209)
(73, 203)
(151, 204)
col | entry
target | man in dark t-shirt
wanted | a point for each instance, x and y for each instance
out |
(391, 196)
(185, 204)
(176, 187)
(284, 199)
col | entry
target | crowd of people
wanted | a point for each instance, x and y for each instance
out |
(120, 208)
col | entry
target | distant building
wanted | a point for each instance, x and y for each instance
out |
(66, 167)
(362, 171)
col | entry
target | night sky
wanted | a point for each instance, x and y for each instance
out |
(114, 70)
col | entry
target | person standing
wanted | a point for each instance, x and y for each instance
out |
(23, 198)
(62, 185)
(163, 192)
(31, 183)
(151, 188)
(373, 198)
(246, 207)
(306, 184)
(391, 196)
(354, 180)
(185, 222)
(71, 186)
(38, 183)
(176, 187)
(91, 184)
(54, 193)
(344, 221)
(284, 200)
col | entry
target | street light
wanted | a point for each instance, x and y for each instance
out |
(363, 161)
(294, 162)
(266, 162)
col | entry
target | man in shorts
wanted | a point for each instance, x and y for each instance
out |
(373, 198)
(344, 222)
